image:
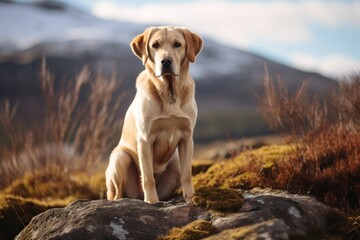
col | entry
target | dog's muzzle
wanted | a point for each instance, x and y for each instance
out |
(166, 67)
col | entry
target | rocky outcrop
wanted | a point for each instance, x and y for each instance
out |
(275, 215)
(103, 219)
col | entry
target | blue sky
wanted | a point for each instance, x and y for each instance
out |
(322, 36)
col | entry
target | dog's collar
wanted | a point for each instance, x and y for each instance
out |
(172, 98)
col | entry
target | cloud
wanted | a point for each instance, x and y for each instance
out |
(334, 65)
(230, 22)
(240, 23)
(256, 25)
(333, 13)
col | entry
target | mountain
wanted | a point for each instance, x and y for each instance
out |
(69, 38)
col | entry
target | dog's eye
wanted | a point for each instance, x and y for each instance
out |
(156, 45)
(176, 45)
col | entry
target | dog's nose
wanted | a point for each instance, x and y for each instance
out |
(166, 62)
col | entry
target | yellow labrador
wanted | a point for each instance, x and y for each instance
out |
(154, 154)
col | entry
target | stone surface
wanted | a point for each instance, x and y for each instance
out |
(272, 229)
(102, 219)
(302, 214)
(265, 214)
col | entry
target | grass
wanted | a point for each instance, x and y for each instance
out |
(77, 132)
(61, 158)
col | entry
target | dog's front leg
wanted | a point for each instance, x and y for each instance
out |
(185, 153)
(147, 172)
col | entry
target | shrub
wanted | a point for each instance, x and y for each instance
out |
(76, 133)
(326, 162)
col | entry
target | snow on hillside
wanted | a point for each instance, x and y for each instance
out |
(32, 31)
(25, 26)
(72, 32)
(220, 60)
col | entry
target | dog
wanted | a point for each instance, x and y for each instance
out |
(153, 157)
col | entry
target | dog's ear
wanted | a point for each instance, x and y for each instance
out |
(194, 44)
(139, 45)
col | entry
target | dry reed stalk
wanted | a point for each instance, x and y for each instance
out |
(78, 131)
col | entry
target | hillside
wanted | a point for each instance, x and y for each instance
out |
(70, 39)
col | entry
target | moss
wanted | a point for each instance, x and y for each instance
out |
(16, 212)
(198, 229)
(199, 166)
(243, 181)
(35, 193)
(243, 171)
(49, 183)
(224, 200)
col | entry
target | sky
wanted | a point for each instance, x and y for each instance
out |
(312, 35)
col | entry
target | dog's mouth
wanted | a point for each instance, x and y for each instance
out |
(166, 72)
(166, 68)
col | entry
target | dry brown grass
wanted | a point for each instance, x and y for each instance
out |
(77, 131)
(326, 162)
(297, 114)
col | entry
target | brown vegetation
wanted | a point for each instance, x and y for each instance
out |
(326, 162)
(300, 116)
(74, 136)
(323, 158)
(60, 159)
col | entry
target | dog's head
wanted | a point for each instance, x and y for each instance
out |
(166, 49)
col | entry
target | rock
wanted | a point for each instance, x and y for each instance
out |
(303, 215)
(103, 219)
(265, 214)
(272, 229)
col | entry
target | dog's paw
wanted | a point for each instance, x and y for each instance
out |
(151, 197)
(188, 200)
(151, 201)
(188, 197)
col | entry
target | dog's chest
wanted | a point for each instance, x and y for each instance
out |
(169, 128)
(166, 134)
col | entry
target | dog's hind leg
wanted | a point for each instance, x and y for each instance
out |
(120, 172)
